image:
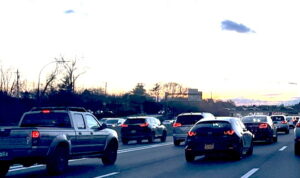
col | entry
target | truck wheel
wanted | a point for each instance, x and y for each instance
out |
(176, 142)
(110, 153)
(58, 161)
(4, 167)
(124, 141)
(163, 137)
(151, 138)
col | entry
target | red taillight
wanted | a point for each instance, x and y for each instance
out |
(298, 124)
(229, 132)
(176, 124)
(191, 133)
(144, 125)
(35, 134)
(124, 125)
(263, 125)
(46, 111)
(284, 122)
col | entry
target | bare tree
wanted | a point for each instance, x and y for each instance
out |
(6, 80)
(156, 91)
(70, 76)
(50, 81)
(174, 90)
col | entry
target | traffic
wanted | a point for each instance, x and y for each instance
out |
(209, 146)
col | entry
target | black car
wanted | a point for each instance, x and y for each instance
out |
(139, 128)
(262, 127)
(220, 135)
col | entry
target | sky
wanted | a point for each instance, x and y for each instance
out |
(233, 49)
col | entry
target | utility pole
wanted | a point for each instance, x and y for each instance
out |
(18, 84)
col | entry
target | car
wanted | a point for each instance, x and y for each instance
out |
(297, 139)
(262, 127)
(55, 135)
(281, 123)
(114, 122)
(184, 122)
(292, 121)
(168, 122)
(143, 127)
(221, 135)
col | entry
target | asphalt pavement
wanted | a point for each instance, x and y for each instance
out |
(166, 160)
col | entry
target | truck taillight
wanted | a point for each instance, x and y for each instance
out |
(35, 134)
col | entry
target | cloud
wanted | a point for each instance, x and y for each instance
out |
(70, 11)
(233, 26)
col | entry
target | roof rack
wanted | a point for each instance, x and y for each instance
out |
(68, 108)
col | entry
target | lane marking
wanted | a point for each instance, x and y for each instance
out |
(20, 167)
(107, 175)
(250, 173)
(143, 148)
(283, 148)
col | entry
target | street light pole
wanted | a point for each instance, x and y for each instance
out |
(39, 79)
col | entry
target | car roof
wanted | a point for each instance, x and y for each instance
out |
(193, 113)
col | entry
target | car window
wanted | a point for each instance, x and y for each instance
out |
(91, 122)
(135, 121)
(51, 119)
(212, 125)
(188, 119)
(79, 121)
(277, 118)
(253, 119)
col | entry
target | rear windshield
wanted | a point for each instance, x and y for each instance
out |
(277, 118)
(46, 120)
(188, 119)
(254, 119)
(212, 125)
(135, 121)
(111, 121)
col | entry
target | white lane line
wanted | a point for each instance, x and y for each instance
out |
(250, 173)
(143, 148)
(283, 148)
(23, 168)
(107, 175)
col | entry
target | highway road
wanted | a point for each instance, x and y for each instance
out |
(165, 160)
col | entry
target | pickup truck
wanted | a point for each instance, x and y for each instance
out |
(54, 135)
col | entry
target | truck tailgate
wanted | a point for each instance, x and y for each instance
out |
(15, 138)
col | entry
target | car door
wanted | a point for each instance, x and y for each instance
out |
(98, 135)
(83, 135)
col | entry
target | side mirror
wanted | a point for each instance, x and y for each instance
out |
(103, 126)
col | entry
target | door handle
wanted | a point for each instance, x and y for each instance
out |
(92, 133)
(79, 133)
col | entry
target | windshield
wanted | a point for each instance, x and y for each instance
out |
(112, 121)
(46, 120)
(188, 119)
(253, 119)
(277, 118)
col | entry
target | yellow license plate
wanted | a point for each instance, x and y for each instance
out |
(209, 146)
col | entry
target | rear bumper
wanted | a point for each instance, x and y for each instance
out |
(19, 155)
(218, 148)
(180, 137)
(136, 136)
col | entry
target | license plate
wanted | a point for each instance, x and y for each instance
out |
(209, 146)
(133, 131)
(3, 154)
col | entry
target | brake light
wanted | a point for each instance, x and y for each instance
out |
(124, 125)
(176, 124)
(191, 133)
(35, 134)
(144, 125)
(284, 122)
(46, 111)
(298, 124)
(263, 125)
(229, 132)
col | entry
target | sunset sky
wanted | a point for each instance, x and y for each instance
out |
(247, 49)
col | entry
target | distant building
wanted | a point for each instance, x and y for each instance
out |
(194, 95)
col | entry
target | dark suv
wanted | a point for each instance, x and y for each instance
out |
(139, 128)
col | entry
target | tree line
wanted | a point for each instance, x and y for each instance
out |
(59, 89)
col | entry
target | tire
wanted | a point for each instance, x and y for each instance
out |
(110, 153)
(250, 150)
(189, 157)
(151, 138)
(57, 162)
(176, 142)
(297, 149)
(4, 167)
(139, 141)
(124, 141)
(163, 137)
(287, 131)
(275, 139)
(238, 154)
